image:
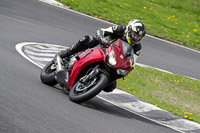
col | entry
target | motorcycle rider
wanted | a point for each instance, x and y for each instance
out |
(133, 33)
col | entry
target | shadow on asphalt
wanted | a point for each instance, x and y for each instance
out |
(108, 108)
(100, 105)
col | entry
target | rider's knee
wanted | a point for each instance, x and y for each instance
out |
(84, 39)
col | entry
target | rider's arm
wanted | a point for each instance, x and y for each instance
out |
(116, 31)
(137, 50)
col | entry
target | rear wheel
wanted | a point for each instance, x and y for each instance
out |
(47, 74)
(81, 92)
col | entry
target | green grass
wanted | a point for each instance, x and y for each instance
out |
(174, 93)
(175, 20)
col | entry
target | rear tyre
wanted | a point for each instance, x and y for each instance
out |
(48, 73)
(81, 92)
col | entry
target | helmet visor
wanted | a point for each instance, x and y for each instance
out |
(135, 37)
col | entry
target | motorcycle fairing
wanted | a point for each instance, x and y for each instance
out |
(87, 57)
(122, 62)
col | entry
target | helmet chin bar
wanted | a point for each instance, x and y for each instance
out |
(133, 37)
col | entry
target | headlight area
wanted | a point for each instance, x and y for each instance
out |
(122, 72)
(111, 58)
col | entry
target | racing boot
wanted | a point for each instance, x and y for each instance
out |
(70, 51)
(65, 53)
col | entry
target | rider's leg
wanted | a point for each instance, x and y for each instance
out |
(82, 44)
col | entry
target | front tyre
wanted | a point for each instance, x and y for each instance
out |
(47, 74)
(81, 92)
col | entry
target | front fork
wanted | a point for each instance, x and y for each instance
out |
(59, 63)
(62, 74)
(91, 75)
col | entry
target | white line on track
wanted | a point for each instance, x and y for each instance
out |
(47, 48)
(40, 59)
(19, 49)
(39, 54)
(43, 51)
(141, 115)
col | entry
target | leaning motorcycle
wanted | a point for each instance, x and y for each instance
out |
(90, 71)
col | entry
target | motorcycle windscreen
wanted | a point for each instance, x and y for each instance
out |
(124, 55)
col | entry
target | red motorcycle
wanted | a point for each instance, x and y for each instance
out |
(90, 71)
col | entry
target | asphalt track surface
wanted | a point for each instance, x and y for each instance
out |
(27, 105)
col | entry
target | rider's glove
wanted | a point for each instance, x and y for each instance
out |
(103, 41)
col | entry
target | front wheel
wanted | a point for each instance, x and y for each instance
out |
(81, 92)
(47, 74)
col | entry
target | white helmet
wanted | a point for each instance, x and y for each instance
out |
(135, 31)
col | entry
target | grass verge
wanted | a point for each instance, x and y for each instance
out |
(175, 20)
(174, 93)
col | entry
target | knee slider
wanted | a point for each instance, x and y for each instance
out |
(84, 39)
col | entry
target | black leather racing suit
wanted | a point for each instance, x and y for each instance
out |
(111, 34)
